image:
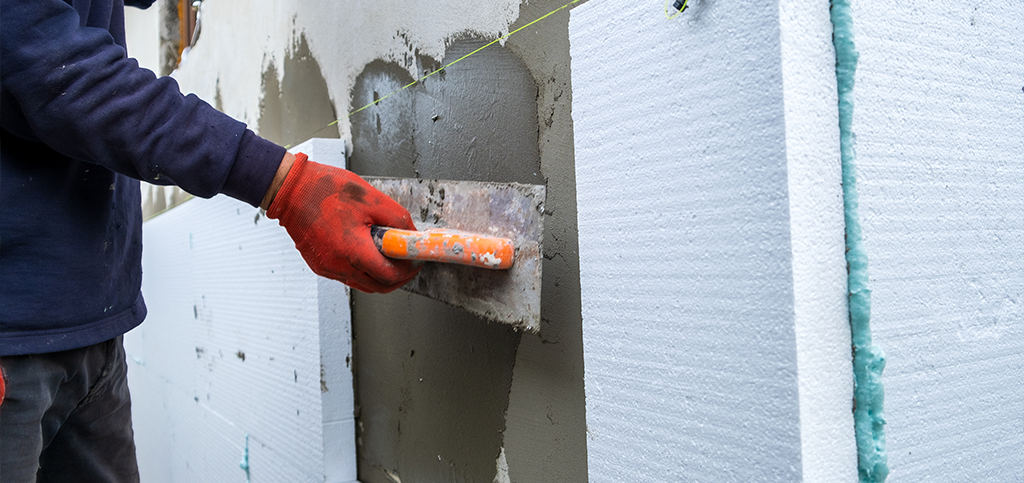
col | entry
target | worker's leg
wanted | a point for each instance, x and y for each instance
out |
(67, 417)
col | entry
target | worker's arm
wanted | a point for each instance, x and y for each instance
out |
(75, 90)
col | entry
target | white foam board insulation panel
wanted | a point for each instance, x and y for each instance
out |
(716, 345)
(711, 238)
(244, 350)
(939, 123)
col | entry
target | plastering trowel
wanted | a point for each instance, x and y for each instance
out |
(482, 242)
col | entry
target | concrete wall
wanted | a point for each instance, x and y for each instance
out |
(939, 120)
(441, 396)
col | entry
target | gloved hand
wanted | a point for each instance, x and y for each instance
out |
(328, 212)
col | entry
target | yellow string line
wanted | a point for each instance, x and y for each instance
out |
(460, 59)
(673, 16)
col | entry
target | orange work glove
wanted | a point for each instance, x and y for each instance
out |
(328, 212)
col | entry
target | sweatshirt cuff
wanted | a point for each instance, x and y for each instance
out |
(253, 170)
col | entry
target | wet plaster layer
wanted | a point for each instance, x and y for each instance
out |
(545, 436)
(442, 393)
(431, 380)
(344, 37)
(298, 105)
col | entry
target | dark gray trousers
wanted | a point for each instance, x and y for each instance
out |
(67, 417)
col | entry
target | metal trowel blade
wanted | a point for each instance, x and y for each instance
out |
(509, 210)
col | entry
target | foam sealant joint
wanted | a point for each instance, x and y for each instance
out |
(868, 359)
(244, 464)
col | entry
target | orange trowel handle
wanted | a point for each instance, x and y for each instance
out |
(445, 246)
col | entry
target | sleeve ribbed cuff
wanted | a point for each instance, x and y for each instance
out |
(254, 169)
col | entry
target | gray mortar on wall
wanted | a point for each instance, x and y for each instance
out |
(299, 104)
(432, 382)
(441, 392)
(545, 436)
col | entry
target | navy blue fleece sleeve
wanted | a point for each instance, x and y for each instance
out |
(73, 88)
